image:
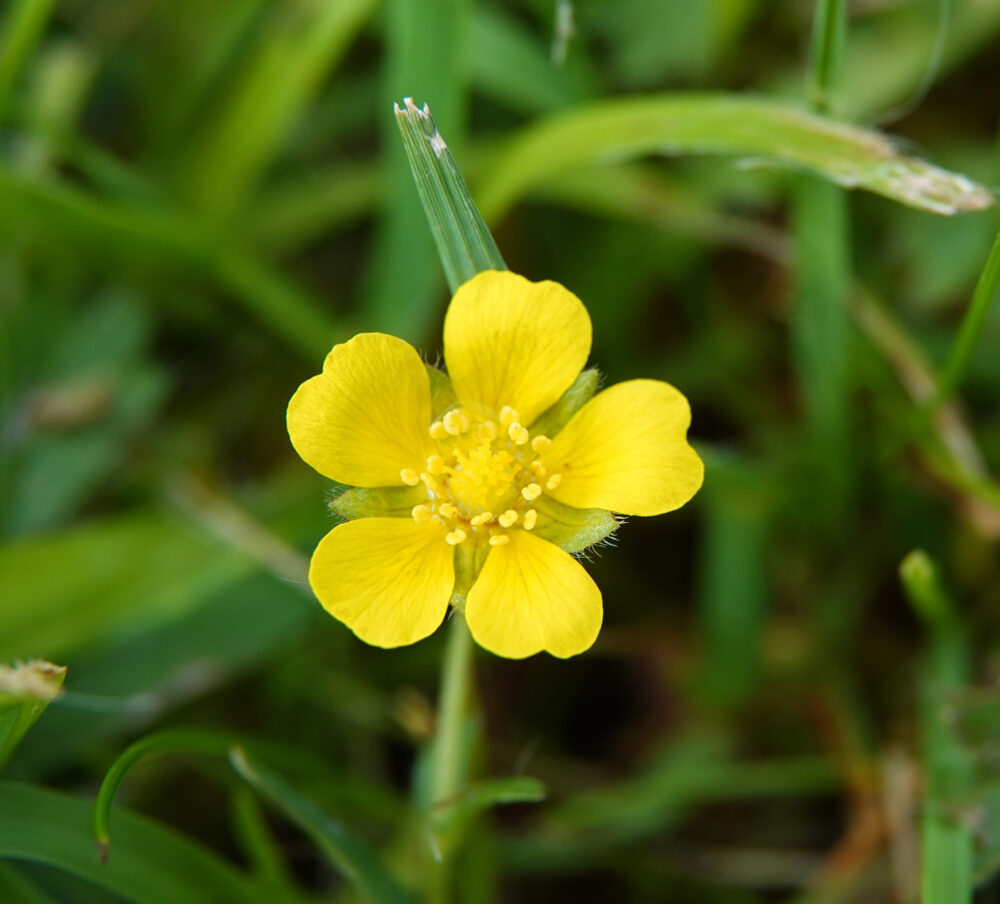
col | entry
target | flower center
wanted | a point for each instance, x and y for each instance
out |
(483, 479)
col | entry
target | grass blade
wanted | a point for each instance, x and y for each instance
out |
(947, 842)
(151, 866)
(463, 240)
(21, 30)
(724, 124)
(346, 850)
(972, 325)
(26, 688)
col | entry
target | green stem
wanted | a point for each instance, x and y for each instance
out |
(972, 325)
(450, 757)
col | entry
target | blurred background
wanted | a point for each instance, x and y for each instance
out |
(198, 199)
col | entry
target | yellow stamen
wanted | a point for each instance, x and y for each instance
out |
(448, 510)
(483, 518)
(530, 517)
(518, 434)
(453, 538)
(437, 431)
(553, 481)
(508, 416)
(455, 422)
(486, 431)
(499, 539)
(541, 444)
(429, 481)
(531, 492)
(421, 514)
(507, 518)
(410, 477)
(538, 469)
(435, 464)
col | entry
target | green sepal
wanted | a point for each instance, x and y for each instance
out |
(442, 392)
(469, 561)
(572, 529)
(26, 688)
(552, 420)
(378, 502)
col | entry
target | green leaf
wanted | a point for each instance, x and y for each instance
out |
(26, 688)
(551, 421)
(463, 239)
(703, 123)
(152, 865)
(442, 393)
(172, 741)
(377, 502)
(571, 528)
(346, 850)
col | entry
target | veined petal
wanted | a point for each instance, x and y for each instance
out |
(626, 451)
(388, 579)
(510, 341)
(365, 417)
(532, 596)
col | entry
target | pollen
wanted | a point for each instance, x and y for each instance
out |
(518, 434)
(410, 477)
(421, 514)
(541, 444)
(484, 462)
(531, 492)
(455, 422)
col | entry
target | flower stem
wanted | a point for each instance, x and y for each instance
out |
(452, 746)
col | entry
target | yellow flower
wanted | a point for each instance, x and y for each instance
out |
(479, 491)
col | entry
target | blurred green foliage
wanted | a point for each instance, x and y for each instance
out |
(197, 200)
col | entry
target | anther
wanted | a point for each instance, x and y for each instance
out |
(429, 481)
(486, 431)
(530, 517)
(518, 434)
(421, 514)
(538, 469)
(448, 510)
(455, 422)
(508, 416)
(483, 518)
(499, 539)
(553, 481)
(531, 492)
(410, 477)
(435, 464)
(541, 444)
(437, 431)
(507, 518)
(453, 538)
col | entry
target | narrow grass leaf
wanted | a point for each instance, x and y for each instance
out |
(972, 325)
(26, 688)
(765, 131)
(463, 240)
(152, 865)
(359, 864)
(946, 839)
(20, 31)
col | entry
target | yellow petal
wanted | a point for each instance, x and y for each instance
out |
(626, 451)
(388, 579)
(509, 341)
(365, 418)
(532, 596)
